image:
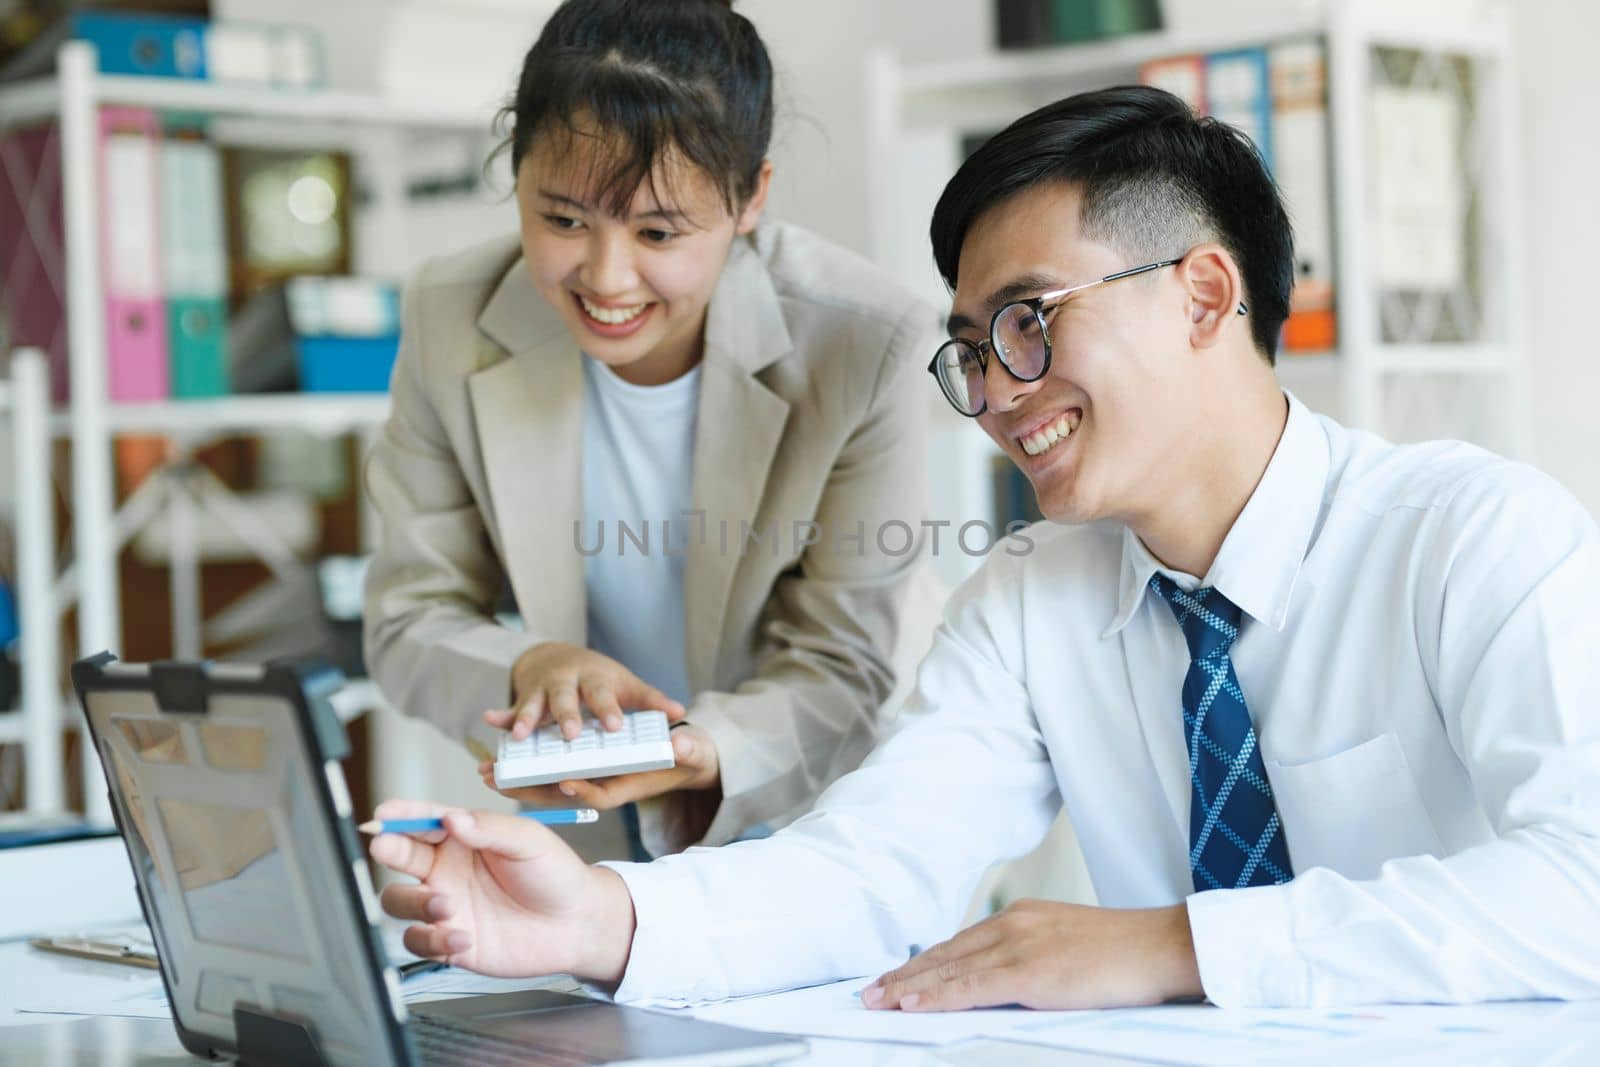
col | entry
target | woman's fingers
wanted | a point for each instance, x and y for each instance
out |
(635, 692)
(528, 713)
(564, 708)
(535, 796)
(587, 793)
(602, 702)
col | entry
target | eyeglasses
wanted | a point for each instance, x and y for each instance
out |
(1019, 334)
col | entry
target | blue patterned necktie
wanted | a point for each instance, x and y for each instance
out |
(1235, 839)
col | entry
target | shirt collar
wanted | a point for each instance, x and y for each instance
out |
(1260, 558)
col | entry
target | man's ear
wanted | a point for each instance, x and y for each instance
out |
(750, 214)
(1215, 292)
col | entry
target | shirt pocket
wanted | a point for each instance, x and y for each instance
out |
(1354, 810)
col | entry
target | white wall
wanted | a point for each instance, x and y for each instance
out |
(819, 50)
(1560, 111)
(821, 47)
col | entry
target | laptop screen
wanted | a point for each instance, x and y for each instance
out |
(230, 824)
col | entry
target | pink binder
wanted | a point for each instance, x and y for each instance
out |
(136, 322)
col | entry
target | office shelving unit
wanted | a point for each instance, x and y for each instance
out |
(376, 130)
(1408, 365)
(36, 721)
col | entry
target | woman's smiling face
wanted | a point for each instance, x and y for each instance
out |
(633, 289)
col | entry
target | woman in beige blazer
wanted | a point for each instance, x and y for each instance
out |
(794, 427)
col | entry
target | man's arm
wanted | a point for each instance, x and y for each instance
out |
(886, 864)
(1513, 578)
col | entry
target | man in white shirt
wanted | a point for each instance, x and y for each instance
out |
(1357, 761)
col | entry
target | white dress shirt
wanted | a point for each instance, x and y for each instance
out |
(638, 470)
(1420, 655)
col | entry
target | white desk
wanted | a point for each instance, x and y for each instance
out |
(88, 884)
(31, 1040)
(35, 1040)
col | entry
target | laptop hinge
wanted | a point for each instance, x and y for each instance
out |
(267, 1040)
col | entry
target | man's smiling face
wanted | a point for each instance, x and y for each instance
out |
(1093, 434)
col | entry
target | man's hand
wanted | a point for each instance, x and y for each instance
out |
(553, 681)
(504, 896)
(697, 769)
(1047, 955)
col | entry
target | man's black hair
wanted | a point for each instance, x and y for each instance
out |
(1155, 179)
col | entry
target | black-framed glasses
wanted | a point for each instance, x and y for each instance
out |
(1019, 333)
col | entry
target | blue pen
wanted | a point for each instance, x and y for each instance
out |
(567, 817)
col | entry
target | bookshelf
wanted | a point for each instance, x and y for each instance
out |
(36, 721)
(371, 127)
(320, 413)
(1408, 364)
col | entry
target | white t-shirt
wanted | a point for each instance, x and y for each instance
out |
(638, 481)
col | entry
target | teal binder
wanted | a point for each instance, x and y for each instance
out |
(1094, 20)
(197, 330)
(195, 259)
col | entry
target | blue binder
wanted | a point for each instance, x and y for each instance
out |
(163, 46)
(1239, 92)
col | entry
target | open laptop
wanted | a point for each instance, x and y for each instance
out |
(226, 783)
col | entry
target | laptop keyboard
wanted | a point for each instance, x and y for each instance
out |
(443, 1043)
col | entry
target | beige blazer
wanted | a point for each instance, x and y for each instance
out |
(812, 406)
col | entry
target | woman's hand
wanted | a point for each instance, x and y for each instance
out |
(555, 680)
(502, 895)
(697, 768)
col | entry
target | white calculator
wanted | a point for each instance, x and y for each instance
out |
(544, 756)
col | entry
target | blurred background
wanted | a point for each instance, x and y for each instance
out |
(178, 454)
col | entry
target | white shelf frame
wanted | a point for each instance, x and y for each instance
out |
(915, 110)
(46, 98)
(368, 124)
(329, 414)
(36, 722)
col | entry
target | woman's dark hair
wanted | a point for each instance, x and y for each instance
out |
(1155, 181)
(648, 79)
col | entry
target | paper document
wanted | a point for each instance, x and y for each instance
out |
(1205, 1035)
(835, 1010)
(92, 988)
(1184, 1034)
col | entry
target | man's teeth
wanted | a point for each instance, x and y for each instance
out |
(613, 316)
(1041, 441)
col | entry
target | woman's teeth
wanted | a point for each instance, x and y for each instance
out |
(1041, 441)
(612, 316)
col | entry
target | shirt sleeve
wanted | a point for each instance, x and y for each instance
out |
(1509, 581)
(888, 861)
